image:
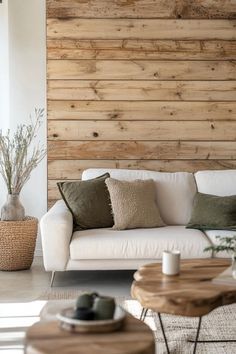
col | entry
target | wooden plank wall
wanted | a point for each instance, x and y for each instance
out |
(140, 84)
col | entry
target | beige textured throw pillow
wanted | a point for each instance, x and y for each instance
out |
(133, 204)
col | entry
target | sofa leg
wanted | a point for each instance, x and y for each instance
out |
(52, 278)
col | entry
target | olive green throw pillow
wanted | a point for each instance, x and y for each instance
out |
(89, 202)
(211, 212)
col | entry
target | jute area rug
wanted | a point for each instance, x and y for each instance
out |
(219, 324)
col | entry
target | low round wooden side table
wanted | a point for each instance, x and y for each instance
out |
(48, 338)
(191, 293)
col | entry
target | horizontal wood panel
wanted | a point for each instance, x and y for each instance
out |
(143, 150)
(140, 29)
(149, 130)
(141, 49)
(72, 169)
(143, 91)
(141, 70)
(142, 8)
(138, 110)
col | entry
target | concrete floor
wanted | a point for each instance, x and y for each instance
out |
(29, 285)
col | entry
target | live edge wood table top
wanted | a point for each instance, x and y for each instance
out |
(48, 338)
(189, 294)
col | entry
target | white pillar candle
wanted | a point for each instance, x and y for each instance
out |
(171, 262)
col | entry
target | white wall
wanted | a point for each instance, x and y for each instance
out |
(4, 79)
(27, 86)
(4, 72)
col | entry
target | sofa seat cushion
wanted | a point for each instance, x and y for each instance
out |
(212, 234)
(137, 243)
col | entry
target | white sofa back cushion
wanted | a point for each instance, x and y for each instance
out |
(220, 183)
(175, 191)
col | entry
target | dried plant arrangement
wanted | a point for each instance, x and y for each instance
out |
(18, 158)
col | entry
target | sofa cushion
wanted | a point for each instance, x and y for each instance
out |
(89, 202)
(174, 191)
(221, 183)
(212, 234)
(137, 243)
(133, 204)
(211, 212)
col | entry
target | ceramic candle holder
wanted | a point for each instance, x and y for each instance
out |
(84, 300)
(104, 307)
(171, 262)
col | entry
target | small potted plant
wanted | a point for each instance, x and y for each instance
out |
(227, 244)
(18, 158)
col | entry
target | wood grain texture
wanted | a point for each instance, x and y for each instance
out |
(141, 70)
(72, 169)
(138, 110)
(180, 150)
(142, 90)
(58, 28)
(48, 338)
(142, 8)
(140, 84)
(131, 49)
(191, 293)
(138, 130)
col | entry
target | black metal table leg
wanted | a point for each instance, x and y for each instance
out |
(195, 341)
(163, 332)
(143, 314)
(197, 335)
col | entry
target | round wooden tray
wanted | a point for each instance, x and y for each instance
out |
(96, 326)
(46, 337)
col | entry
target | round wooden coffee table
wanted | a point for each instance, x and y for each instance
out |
(48, 338)
(191, 293)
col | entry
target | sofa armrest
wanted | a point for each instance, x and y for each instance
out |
(56, 230)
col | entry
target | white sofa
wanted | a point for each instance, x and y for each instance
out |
(100, 249)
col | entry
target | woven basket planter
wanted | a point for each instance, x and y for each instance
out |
(17, 243)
